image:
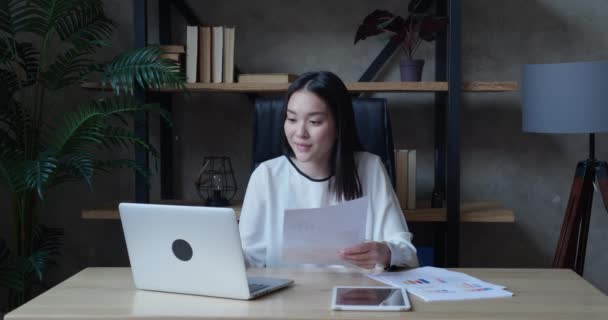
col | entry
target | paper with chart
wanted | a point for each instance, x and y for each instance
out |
(314, 236)
(436, 284)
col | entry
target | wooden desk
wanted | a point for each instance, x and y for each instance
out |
(108, 293)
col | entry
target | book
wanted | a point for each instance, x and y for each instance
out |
(170, 56)
(172, 48)
(401, 182)
(411, 179)
(228, 54)
(204, 54)
(191, 53)
(267, 77)
(217, 53)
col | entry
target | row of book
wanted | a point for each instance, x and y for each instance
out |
(210, 54)
(405, 174)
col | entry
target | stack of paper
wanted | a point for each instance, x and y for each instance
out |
(436, 284)
(314, 236)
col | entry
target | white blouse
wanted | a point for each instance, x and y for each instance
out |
(277, 184)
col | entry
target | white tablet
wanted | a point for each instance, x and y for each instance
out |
(358, 298)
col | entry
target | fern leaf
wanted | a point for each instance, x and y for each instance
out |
(143, 67)
(106, 166)
(120, 137)
(12, 171)
(20, 58)
(75, 167)
(46, 245)
(85, 127)
(11, 269)
(80, 129)
(47, 239)
(38, 172)
(15, 121)
(28, 60)
(69, 68)
(14, 16)
(46, 14)
(86, 26)
(9, 82)
(119, 106)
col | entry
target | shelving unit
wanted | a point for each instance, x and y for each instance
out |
(481, 212)
(448, 213)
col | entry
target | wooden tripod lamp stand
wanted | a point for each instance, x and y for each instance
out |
(571, 98)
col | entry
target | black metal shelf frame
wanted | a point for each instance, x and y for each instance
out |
(447, 116)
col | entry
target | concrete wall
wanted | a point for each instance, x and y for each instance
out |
(529, 173)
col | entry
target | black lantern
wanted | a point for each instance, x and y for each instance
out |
(216, 183)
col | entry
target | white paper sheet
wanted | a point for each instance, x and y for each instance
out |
(436, 284)
(314, 236)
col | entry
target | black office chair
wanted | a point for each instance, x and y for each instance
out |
(371, 117)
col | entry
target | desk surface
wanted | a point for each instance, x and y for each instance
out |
(108, 293)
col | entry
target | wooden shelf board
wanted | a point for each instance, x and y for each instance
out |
(481, 211)
(486, 212)
(474, 86)
(110, 211)
(439, 215)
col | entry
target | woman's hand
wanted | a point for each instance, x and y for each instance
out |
(367, 254)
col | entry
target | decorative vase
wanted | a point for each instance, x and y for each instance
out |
(411, 70)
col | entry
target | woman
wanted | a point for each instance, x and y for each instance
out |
(323, 165)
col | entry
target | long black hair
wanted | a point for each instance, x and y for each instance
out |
(332, 90)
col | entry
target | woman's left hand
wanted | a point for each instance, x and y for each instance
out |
(367, 254)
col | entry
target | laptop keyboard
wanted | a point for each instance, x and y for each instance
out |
(253, 287)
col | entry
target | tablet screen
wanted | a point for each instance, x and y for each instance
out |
(369, 297)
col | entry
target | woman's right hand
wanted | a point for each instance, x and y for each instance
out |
(367, 254)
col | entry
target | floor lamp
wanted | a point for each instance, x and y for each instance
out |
(571, 98)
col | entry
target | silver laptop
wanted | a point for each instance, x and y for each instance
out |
(191, 250)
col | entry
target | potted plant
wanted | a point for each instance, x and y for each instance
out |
(409, 33)
(46, 47)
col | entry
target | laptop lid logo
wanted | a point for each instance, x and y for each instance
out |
(182, 250)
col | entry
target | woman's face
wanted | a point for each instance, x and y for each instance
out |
(310, 128)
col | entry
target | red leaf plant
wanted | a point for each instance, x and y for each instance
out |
(408, 32)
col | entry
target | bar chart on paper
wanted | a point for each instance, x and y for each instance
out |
(418, 281)
(436, 284)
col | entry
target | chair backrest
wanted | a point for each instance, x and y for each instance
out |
(371, 117)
